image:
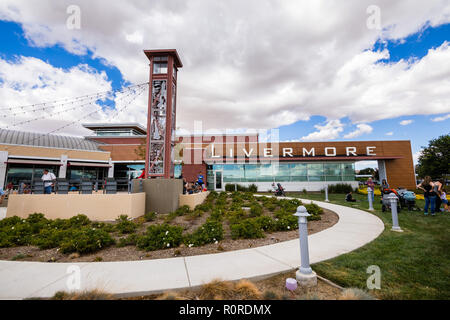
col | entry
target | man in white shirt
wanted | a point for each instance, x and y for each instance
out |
(48, 179)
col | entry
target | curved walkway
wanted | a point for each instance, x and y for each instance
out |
(355, 228)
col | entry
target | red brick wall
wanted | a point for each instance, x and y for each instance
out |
(190, 172)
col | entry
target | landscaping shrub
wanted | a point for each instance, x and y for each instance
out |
(315, 211)
(124, 225)
(247, 229)
(232, 187)
(235, 216)
(160, 237)
(150, 216)
(343, 188)
(256, 210)
(78, 221)
(210, 232)
(129, 240)
(86, 240)
(266, 223)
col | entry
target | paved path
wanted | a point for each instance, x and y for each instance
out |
(355, 228)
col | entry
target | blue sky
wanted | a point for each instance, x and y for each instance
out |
(14, 43)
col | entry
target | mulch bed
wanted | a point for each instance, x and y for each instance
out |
(131, 253)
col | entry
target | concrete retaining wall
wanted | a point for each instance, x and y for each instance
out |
(98, 207)
(162, 195)
(192, 200)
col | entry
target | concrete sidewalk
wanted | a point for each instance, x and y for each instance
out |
(19, 280)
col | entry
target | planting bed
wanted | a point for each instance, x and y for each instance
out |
(224, 222)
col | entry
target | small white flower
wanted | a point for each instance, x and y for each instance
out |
(289, 227)
(168, 245)
(216, 242)
(167, 232)
(191, 245)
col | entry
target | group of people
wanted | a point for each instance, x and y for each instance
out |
(194, 187)
(435, 195)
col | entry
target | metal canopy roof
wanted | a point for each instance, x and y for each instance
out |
(46, 140)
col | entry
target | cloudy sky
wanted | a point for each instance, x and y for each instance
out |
(315, 70)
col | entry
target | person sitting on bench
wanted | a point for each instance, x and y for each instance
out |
(349, 197)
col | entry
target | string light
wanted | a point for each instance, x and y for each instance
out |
(141, 87)
(75, 100)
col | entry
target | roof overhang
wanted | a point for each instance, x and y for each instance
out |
(165, 52)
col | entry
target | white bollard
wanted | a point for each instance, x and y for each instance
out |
(393, 200)
(305, 276)
(326, 194)
(370, 198)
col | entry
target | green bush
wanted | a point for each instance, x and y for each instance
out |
(342, 188)
(266, 223)
(253, 188)
(129, 240)
(315, 211)
(232, 187)
(124, 225)
(255, 210)
(247, 229)
(235, 216)
(86, 240)
(210, 232)
(150, 216)
(161, 236)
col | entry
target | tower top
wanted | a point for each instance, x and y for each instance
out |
(165, 52)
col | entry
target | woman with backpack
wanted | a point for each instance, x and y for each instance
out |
(429, 194)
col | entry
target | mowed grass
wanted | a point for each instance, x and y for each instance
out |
(414, 264)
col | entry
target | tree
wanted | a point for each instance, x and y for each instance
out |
(434, 160)
(367, 171)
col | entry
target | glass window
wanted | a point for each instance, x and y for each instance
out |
(315, 169)
(298, 178)
(298, 169)
(159, 67)
(333, 178)
(332, 169)
(251, 172)
(233, 173)
(281, 172)
(265, 173)
(348, 169)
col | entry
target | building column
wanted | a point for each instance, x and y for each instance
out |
(111, 169)
(63, 168)
(3, 165)
(382, 170)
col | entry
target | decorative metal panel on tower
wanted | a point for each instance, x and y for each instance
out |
(161, 119)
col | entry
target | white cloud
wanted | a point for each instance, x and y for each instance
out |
(443, 118)
(416, 156)
(390, 133)
(48, 83)
(406, 122)
(361, 129)
(265, 65)
(329, 131)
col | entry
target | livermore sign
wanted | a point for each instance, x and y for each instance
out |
(264, 151)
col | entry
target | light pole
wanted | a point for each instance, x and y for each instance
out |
(370, 197)
(305, 276)
(393, 200)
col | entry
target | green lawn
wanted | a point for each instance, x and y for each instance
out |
(414, 264)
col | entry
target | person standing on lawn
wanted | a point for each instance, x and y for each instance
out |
(48, 179)
(371, 185)
(429, 194)
(437, 187)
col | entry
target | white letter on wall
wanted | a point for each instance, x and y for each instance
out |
(328, 154)
(268, 152)
(370, 151)
(351, 151)
(311, 152)
(287, 151)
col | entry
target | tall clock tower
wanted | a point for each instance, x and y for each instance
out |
(161, 118)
